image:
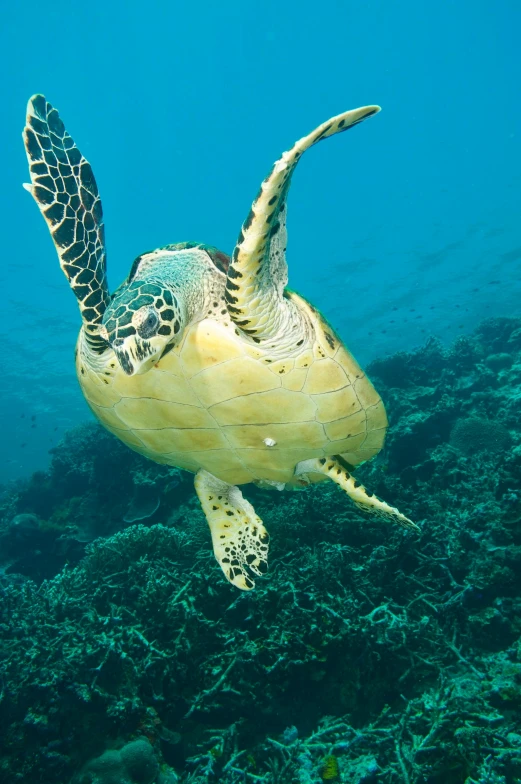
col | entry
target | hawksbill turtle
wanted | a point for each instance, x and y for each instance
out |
(208, 362)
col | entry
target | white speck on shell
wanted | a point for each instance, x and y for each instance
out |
(269, 441)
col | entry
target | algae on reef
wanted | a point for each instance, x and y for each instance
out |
(367, 654)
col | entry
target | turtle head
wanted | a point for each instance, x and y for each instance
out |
(143, 320)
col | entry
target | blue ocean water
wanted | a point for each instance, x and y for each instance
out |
(407, 227)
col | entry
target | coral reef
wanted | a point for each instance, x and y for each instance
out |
(95, 487)
(473, 435)
(134, 763)
(367, 654)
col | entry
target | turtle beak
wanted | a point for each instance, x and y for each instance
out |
(124, 360)
(135, 355)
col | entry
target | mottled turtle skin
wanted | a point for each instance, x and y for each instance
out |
(208, 362)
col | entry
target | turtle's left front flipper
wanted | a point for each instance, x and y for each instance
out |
(258, 274)
(365, 500)
(63, 186)
(240, 541)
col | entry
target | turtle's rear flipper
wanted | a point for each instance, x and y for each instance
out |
(240, 541)
(356, 491)
(63, 186)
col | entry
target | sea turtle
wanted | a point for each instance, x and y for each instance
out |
(208, 362)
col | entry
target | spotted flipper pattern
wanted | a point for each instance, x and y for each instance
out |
(257, 273)
(239, 538)
(365, 500)
(63, 186)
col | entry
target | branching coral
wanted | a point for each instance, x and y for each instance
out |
(399, 657)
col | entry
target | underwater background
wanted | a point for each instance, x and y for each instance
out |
(367, 654)
(405, 228)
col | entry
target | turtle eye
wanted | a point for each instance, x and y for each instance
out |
(149, 322)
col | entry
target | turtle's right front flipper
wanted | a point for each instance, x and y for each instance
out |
(258, 273)
(63, 186)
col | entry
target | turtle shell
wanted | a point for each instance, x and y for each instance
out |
(219, 403)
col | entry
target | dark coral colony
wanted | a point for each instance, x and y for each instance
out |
(367, 654)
